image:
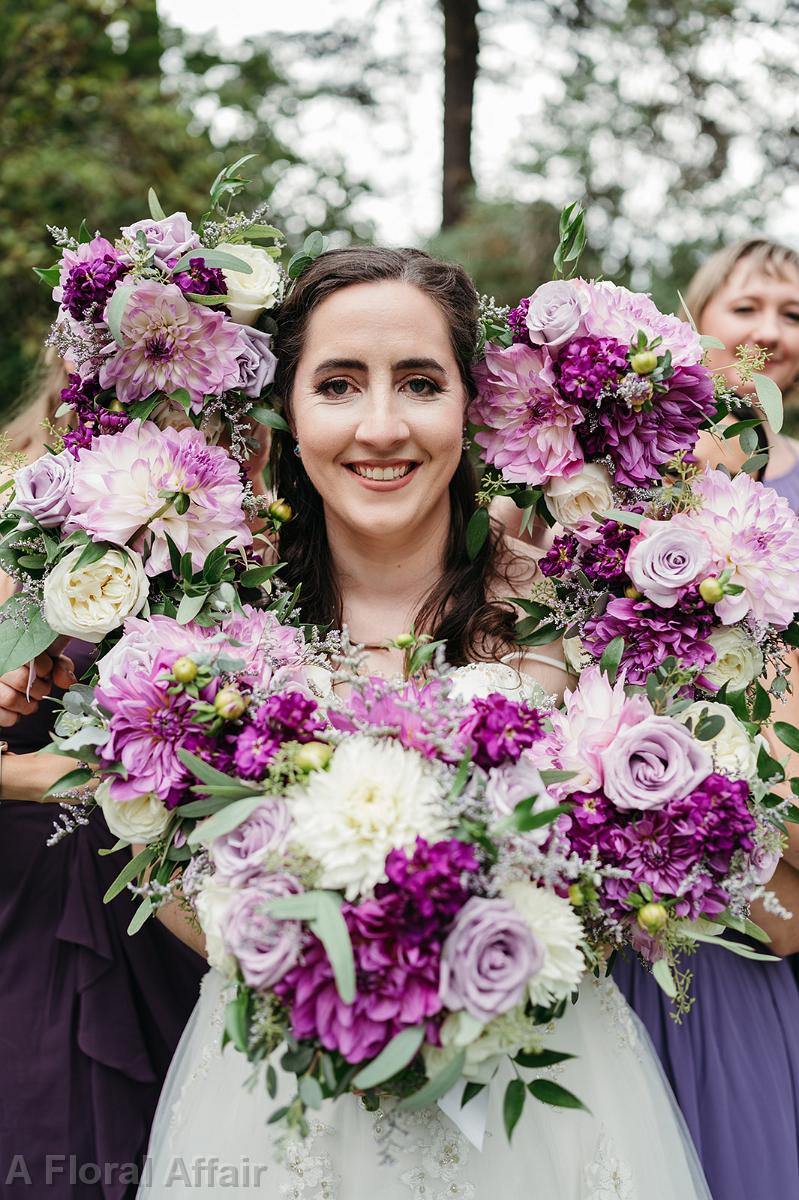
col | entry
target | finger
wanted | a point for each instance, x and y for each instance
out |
(64, 673)
(18, 681)
(15, 702)
(43, 665)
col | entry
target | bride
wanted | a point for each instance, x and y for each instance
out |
(374, 373)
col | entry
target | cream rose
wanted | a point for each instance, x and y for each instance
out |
(485, 1045)
(210, 903)
(141, 820)
(733, 750)
(90, 602)
(573, 501)
(250, 294)
(739, 659)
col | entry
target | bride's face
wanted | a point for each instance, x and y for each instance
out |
(378, 409)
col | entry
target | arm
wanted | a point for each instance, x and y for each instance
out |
(175, 918)
(784, 935)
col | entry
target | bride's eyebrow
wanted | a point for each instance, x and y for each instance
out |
(420, 364)
(340, 364)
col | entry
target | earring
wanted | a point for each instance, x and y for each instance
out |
(466, 443)
(297, 450)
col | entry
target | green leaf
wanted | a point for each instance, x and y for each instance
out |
(770, 398)
(544, 1058)
(542, 636)
(512, 1105)
(271, 1081)
(748, 440)
(711, 343)
(470, 1091)
(213, 258)
(142, 913)
(739, 427)
(624, 518)
(461, 775)
(72, 779)
(761, 709)
(189, 607)
(709, 727)
(236, 1020)
(181, 397)
(261, 231)
(297, 265)
(115, 310)
(311, 1092)
(156, 211)
(549, 1092)
(253, 577)
(223, 821)
(661, 972)
(611, 657)
(322, 911)
(141, 409)
(554, 775)
(314, 244)
(743, 925)
(119, 844)
(477, 532)
(439, 1085)
(22, 636)
(208, 301)
(754, 464)
(400, 1051)
(129, 872)
(268, 416)
(48, 275)
(92, 552)
(788, 734)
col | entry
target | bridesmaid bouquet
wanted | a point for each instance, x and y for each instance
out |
(671, 811)
(142, 505)
(371, 872)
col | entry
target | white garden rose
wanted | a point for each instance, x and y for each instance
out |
(210, 902)
(90, 602)
(733, 751)
(143, 819)
(373, 798)
(573, 501)
(739, 659)
(559, 930)
(250, 294)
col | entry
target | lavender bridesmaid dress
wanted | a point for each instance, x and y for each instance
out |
(734, 1061)
(89, 1017)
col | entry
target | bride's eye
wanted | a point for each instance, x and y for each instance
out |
(420, 386)
(334, 387)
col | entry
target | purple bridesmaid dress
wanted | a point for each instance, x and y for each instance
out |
(89, 1017)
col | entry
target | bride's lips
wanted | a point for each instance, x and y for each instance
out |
(377, 476)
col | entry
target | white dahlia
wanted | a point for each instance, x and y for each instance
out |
(374, 797)
(559, 930)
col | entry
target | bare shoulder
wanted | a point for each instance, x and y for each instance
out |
(520, 569)
(712, 450)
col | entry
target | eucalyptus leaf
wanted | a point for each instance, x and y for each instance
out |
(253, 577)
(770, 398)
(223, 821)
(438, 1086)
(314, 244)
(205, 772)
(236, 1023)
(189, 607)
(311, 1092)
(611, 658)
(711, 343)
(142, 913)
(156, 211)
(129, 872)
(661, 972)
(115, 310)
(400, 1051)
(23, 635)
(213, 258)
(73, 779)
(622, 517)
(268, 416)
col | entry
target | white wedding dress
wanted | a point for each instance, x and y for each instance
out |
(211, 1138)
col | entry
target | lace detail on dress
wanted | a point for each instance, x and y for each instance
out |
(442, 1157)
(620, 1015)
(310, 1168)
(482, 678)
(212, 1048)
(608, 1177)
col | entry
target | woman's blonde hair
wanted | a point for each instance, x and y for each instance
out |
(772, 258)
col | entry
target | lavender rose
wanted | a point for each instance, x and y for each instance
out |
(663, 560)
(488, 959)
(256, 361)
(264, 947)
(240, 855)
(555, 313)
(652, 763)
(42, 489)
(170, 237)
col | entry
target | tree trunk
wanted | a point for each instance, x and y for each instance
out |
(461, 45)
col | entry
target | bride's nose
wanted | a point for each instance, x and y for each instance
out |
(382, 422)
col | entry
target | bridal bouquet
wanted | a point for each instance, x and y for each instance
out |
(142, 506)
(374, 880)
(670, 808)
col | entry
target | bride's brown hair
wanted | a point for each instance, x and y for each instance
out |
(458, 608)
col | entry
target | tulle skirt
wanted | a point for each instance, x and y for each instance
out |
(211, 1137)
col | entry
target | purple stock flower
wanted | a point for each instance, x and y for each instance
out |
(604, 559)
(201, 280)
(90, 284)
(265, 948)
(499, 729)
(284, 717)
(254, 749)
(561, 556)
(651, 633)
(587, 365)
(517, 321)
(488, 959)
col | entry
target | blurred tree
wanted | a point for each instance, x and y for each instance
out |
(461, 48)
(99, 100)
